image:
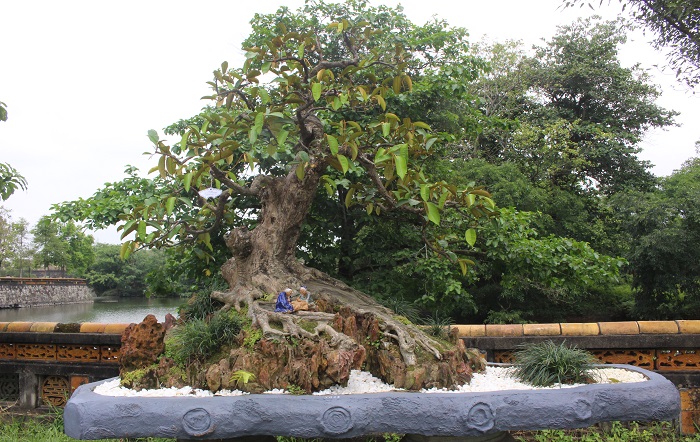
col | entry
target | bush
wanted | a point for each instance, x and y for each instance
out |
(199, 339)
(547, 363)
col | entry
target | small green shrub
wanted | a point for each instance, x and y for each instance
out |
(401, 307)
(200, 305)
(547, 363)
(242, 377)
(199, 339)
(438, 326)
(252, 338)
(295, 389)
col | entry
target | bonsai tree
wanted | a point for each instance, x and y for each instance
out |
(309, 110)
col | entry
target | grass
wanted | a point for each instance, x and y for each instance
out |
(49, 428)
(610, 432)
(45, 428)
(546, 363)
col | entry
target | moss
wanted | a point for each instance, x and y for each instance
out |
(67, 328)
(174, 372)
(267, 297)
(136, 377)
(309, 326)
(402, 319)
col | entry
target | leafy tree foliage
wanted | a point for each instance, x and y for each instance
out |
(316, 105)
(664, 230)
(8, 239)
(322, 121)
(676, 24)
(10, 179)
(335, 139)
(63, 245)
(109, 275)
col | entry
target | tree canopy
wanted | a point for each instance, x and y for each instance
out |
(311, 104)
(676, 24)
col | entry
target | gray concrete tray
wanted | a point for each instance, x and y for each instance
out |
(92, 416)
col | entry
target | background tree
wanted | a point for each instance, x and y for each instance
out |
(676, 24)
(664, 230)
(63, 245)
(23, 249)
(109, 275)
(7, 239)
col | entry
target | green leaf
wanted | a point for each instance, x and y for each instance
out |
(344, 163)
(470, 236)
(141, 230)
(332, 144)
(348, 197)
(433, 212)
(282, 136)
(401, 161)
(153, 136)
(259, 120)
(170, 205)
(206, 239)
(187, 181)
(316, 90)
(462, 266)
(300, 51)
(300, 171)
(125, 250)
(183, 141)
(386, 129)
(425, 192)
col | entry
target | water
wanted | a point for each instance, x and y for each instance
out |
(104, 310)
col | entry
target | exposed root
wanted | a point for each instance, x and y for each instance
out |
(234, 298)
(338, 340)
(407, 337)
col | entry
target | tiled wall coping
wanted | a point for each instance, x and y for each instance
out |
(471, 330)
(581, 328)
(58, 327)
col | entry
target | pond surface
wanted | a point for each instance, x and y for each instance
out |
(105, 310)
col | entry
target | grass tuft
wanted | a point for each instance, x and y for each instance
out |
(545, 364)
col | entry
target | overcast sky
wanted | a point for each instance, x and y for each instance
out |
(85, 80)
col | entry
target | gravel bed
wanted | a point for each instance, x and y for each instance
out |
(494, 378)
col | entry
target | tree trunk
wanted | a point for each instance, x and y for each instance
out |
(361, 332)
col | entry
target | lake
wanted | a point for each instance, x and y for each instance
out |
(104, 310)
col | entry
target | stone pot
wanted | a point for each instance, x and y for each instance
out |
(433, 415)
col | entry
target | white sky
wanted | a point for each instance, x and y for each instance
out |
(85, 80)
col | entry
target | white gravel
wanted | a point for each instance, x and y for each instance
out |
(492, 379)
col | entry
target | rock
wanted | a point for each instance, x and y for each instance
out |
(142, 344)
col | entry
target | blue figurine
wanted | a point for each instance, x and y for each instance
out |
(283, 304)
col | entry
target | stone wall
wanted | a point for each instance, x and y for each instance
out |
(34, 292)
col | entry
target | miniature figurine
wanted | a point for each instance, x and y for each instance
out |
(283, 304)
(303, 299)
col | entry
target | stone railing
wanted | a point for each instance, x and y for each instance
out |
(43, 363)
